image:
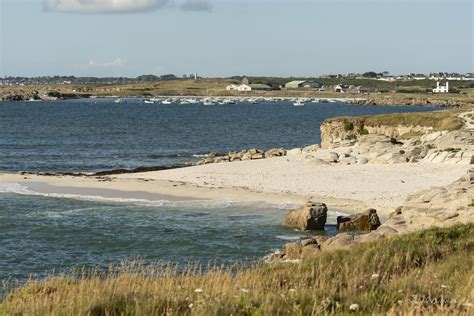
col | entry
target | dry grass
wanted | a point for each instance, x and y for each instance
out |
(439, 120)
(429, 271)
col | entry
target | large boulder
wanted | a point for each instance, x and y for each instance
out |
(299, 250)
(366, 221)
(312, 216)
(340, 241)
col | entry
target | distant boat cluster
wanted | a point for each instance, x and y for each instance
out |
(209, 101)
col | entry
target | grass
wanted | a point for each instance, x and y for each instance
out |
(438, 120)
(424, 272)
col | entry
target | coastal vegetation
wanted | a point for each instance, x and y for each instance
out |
(427, 271)
(439, 120)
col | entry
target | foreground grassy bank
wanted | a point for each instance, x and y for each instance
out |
(428, 271)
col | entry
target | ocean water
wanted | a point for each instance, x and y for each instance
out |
(95, 135)
(41, 233)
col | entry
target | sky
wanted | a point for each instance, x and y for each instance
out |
(218, 38)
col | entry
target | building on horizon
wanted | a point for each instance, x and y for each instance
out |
(440, 88)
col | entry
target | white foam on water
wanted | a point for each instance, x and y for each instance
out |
(289, 237)
(10, 187)
(200, 155)
(17, 188)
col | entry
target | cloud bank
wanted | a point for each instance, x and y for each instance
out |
(122, 6)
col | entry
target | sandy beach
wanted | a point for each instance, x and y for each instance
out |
(279, 180)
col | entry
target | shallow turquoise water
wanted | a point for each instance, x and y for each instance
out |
(40, 234)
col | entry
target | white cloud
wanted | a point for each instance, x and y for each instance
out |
(123, 6)
(116, 63)
(104, 6)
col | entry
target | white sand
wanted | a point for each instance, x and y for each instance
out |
(276, 180)
(383, 186)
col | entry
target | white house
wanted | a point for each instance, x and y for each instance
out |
(232, 87)
(441, 89)
(244, 88)
(341, 88)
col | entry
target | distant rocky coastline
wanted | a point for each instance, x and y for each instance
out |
(397, 100)
(36, 96)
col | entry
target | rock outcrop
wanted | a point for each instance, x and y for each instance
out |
(366, 221)
(340, 132)
(442, 206)
(396, 100)
(312, 216)
(301, 249)
(251, 154)
(453, 147)
(436, 207)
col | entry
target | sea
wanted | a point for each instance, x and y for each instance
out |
(46, 234)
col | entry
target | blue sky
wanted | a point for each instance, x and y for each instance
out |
(233, 37)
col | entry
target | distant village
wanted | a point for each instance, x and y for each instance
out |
(440, 85)
(246, 86)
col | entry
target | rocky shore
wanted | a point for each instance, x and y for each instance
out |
(434, 207)
(29, 94)
(454, 147)
(437, 207)
(251, 154)
(396, 100)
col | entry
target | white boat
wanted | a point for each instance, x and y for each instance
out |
(119, 100)
(149, 102)
(253, 101)
(208, 102)
(298, 103)
(167, 101)
(34, 100)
